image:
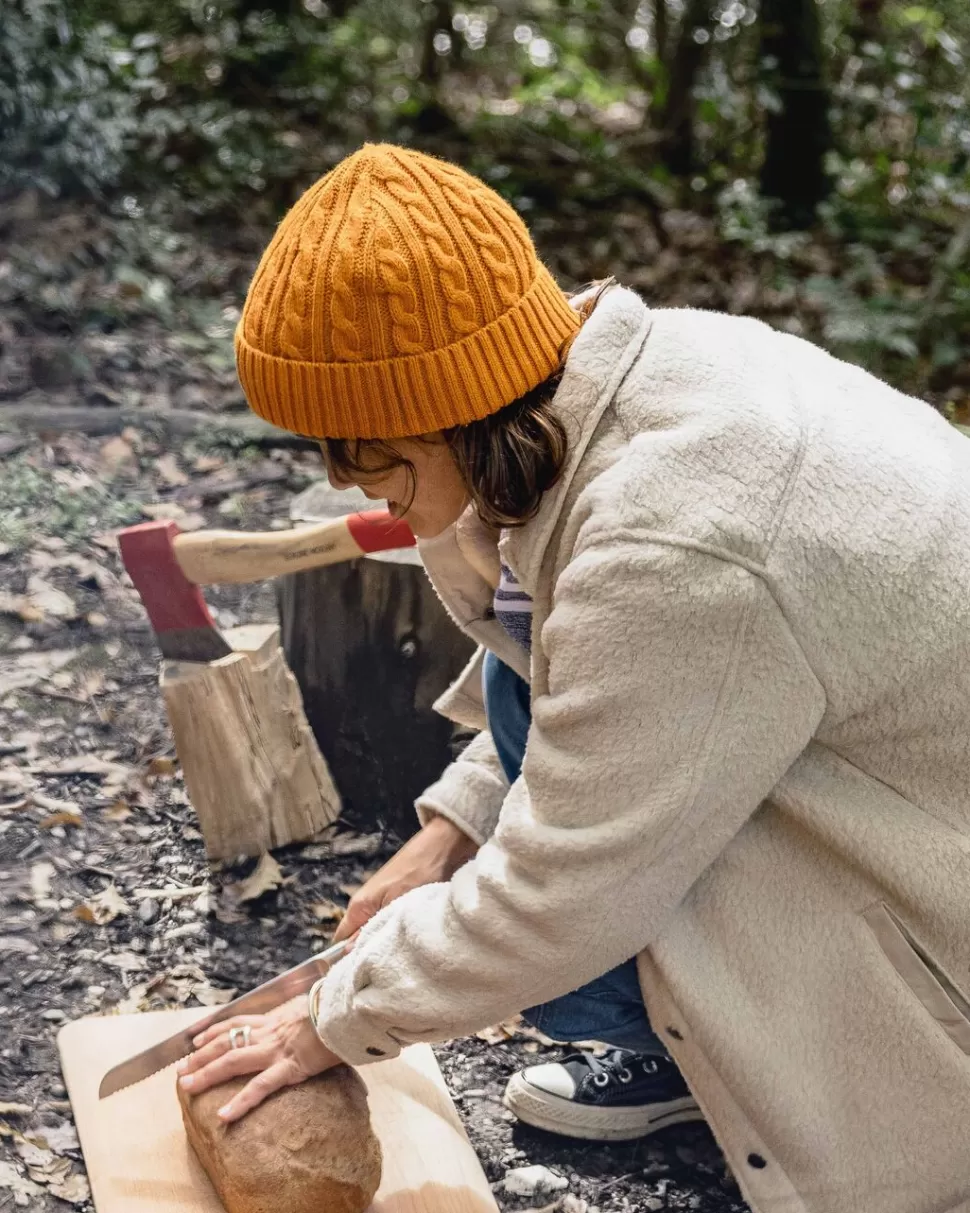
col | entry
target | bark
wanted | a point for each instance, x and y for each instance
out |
(661, 35)
(798, 132)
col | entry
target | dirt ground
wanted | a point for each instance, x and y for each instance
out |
(95, 825)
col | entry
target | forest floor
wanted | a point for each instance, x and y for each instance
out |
(118, 403)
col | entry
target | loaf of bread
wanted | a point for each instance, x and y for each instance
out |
(306, 1149)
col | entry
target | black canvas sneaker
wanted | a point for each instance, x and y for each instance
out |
(612, 1098)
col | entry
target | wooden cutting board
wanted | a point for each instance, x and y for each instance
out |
(139, 1161)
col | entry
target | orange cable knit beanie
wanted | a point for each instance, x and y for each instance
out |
(399, 296)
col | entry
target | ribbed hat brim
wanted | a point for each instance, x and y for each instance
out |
(407, 396)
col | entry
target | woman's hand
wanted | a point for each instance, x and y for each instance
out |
(435, 853)
(283, 1050)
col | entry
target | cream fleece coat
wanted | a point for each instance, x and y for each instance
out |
(749, 761)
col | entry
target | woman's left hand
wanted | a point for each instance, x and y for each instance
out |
(283, 1050)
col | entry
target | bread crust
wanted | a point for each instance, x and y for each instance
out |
(306, 1148)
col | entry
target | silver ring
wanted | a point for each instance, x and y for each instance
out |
(239, 1037)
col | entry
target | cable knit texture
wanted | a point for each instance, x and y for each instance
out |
(399, 296)
(748, 763)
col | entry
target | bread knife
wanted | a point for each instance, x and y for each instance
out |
(270, 994)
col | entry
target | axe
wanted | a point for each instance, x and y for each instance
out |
(252, 767)
(168, 566)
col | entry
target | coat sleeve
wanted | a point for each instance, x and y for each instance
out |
(677, 698)
(470, 792)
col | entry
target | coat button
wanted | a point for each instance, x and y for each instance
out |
(376, 1052)
(674, 1033)
(756, 1161)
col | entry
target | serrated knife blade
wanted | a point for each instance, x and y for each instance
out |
(270, 994)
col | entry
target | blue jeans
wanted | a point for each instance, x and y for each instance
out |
(609, 1009)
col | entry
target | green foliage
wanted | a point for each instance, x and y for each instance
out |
(56, 502)
(228, 108)
(68, 99)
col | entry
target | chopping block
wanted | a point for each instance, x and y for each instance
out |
(255, 776)
(138, 1157)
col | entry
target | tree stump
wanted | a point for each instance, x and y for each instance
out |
(371, 648)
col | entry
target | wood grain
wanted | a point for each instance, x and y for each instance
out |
(252, 767)
(226, 557)
(139, 1161)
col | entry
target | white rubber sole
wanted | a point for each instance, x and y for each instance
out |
(557, 1115)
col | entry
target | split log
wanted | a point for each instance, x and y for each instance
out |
(372, 648)
(252, 768)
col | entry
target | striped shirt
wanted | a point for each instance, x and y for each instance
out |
(513, 608)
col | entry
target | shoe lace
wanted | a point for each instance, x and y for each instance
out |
(616, 1066)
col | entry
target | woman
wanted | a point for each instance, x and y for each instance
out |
(747, 567)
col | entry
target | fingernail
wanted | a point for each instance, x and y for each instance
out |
(197, 1042)
(225, 1112)
(181, 1067)
(187, 1081)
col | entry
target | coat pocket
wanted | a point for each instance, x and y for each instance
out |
(924, 976)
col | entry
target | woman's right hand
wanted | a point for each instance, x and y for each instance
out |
(435, 853)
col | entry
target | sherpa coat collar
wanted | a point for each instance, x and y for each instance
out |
(601, 356)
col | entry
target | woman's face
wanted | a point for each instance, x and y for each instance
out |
(436, 493)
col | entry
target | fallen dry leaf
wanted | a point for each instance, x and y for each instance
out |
(57, 1137)
(356, 844)
(212, 996)
(162, 510)
(127, 962)
(63, 818)
(27, 669)
(175, 892)
(162, 766)
(169, 470)
(23, 1189)
(15, 779)
(266, 876)
(116, 454)
(118, 810)
(50, 601)
(52, 805)
(103, 908)
(17, 943)
(15, 1109)
(33, 1155)
(327, 911)
(74, 1189)
(41, 879)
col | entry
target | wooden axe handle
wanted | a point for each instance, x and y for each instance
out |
(222, 557)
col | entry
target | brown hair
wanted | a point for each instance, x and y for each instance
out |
(506, 461)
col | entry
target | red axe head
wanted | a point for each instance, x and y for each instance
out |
(178, 613)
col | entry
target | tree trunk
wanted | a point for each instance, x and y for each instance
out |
(677, 124)
(660, 29)
(372, 648)
(798, 132)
